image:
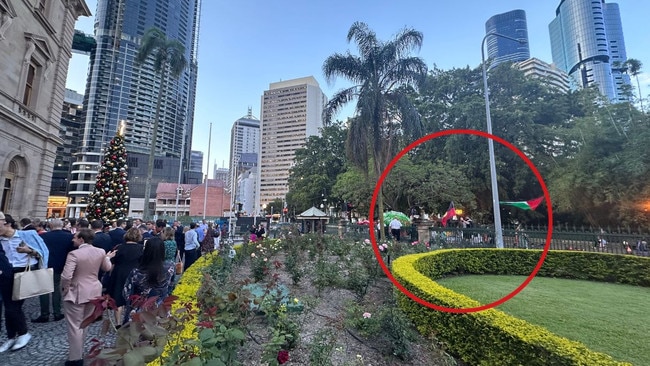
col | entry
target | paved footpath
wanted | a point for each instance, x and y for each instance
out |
(49, 344)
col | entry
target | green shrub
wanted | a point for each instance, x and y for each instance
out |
(492, 337)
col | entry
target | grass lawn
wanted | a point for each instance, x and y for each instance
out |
(609, 318)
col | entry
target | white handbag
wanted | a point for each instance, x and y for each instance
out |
(32, 283)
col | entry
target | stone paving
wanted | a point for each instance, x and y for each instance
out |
(49, 344)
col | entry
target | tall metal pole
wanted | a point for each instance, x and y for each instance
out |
(205, 196)
(498, 231)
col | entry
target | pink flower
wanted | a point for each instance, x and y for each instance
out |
(414, 243)
(366, 315)
(367, 241)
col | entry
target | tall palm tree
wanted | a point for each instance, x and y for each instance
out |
(379, 73)
(633, 67)
(168, 60)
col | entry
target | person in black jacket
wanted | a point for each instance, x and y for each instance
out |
(59, 243)
(117, 234)
(102, 240)
(179, 236)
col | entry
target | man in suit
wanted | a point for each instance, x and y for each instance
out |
(117, 234)
(102, 240)
(79, 285)
(59, 243)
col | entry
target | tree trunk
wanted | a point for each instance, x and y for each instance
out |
(152, 151)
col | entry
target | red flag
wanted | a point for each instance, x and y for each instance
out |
(451, 211)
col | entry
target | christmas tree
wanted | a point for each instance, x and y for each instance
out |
(110, 199)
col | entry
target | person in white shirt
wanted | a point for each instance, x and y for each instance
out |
(395, 228)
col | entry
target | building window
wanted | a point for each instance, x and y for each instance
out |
(29, 83)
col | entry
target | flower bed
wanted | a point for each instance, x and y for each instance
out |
(186, 290)
(492, 337)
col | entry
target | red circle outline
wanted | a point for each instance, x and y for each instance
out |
(431, 136)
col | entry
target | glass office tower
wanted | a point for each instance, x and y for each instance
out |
(512, 24)
(587, 42)
(119, 89)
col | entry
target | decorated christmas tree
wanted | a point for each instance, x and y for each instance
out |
(110, 199)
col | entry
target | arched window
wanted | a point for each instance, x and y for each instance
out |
(13, 175)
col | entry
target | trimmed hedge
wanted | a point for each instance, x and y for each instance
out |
(492, 337)
(186, 290)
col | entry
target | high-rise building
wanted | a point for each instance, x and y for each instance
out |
(549, 74)
(244, 139)
(221, 174)
(118, 89)
(71, 121)
(499, 49)
(35, 43)
(245, 191)
(196, 161)
(587, 43)
(291, 111)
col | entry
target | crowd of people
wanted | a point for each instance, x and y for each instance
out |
(124, 259)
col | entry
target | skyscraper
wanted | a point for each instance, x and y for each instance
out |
(291, 111)
(587, 43)
(119, 89)
(512, 24)
(244, 139)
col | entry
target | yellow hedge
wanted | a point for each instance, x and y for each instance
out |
(492, 337)
(186, 290)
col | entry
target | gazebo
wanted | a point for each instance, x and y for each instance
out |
(313, 220)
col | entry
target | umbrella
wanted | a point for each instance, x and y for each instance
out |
(390, 215)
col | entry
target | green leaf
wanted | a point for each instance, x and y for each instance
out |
(133, 358)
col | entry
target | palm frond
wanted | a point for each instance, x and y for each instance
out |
(347, 66)
(340, 99)
(408, 40)
(406, 71)
(176, 57)
(152, 40)
(365, 39)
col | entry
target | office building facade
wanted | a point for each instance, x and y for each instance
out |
(35, 44)
(71, 121)
(196, 161)
(549, 74)
(291, 111)
(512, 24)
(118, 89)
(587, 43)
(244, 140)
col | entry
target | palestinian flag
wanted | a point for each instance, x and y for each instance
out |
(451, 211)
(524, 205)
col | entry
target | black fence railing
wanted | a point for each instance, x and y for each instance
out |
(617, 242)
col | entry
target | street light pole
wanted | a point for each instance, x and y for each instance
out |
(498, 231)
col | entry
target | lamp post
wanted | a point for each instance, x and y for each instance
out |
(498, 231)
(179, 191)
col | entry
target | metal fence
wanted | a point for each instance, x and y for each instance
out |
(618, 242)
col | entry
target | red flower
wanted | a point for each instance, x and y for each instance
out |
(283, 356)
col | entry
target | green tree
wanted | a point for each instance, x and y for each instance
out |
(633, 67)
(316, 167)
(168, 57)
(379, 73)
(110, 198)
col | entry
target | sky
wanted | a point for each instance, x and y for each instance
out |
(245, 45)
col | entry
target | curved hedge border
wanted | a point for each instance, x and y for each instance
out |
(492, 337)
(186, 290)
